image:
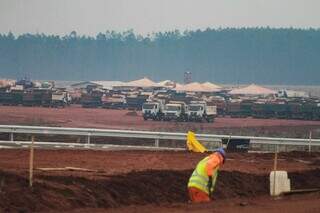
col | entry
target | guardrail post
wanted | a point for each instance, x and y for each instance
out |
(310, 140)
(88, 138)
(156, 142)
(11, 136)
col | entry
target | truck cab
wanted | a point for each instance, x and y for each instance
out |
(196, 112)
(152, 110)
(60, 99)
(199, 111)
(175, 111)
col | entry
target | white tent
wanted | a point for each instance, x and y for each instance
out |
(194, 87)
(212, 86)
(109, 84)
(252, 90)
(144, 82)
(167, 83)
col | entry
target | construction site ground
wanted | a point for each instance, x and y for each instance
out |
(150, 181)
(76, 116)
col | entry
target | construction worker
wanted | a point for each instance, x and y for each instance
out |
(203, 179)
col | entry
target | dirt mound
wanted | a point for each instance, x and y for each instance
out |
(238, 184)
(17, 196)
(134, 188)
(152, 186)
(305, 179)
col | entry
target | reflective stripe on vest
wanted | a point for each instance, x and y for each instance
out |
(199, 178)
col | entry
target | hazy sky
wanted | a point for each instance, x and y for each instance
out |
(144, 16)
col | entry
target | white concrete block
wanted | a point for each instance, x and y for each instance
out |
(279, 182)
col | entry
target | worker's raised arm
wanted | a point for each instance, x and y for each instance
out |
(214, 161)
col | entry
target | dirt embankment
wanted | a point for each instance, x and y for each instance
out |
(135, 188)
(129, 179)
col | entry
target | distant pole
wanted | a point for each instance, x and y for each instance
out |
(31, 163)
(187, 77)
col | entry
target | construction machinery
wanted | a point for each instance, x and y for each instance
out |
(135, 102)
(153, 110)
(6, 98)
(36, 97)
(114, 101)
(239, 108)
(60, 99)
(200, 111)
(176, 110)
(91, 99)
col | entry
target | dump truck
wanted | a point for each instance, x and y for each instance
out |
(304, 110)
(239, 108)
(113, 102)
(17, 94)
(153, 110)
(200, 111)
(261, 109)
(36, 97)
(6, 98)
(316, 112)
(233, 108)
(60, 99)
(12, 98)
(221, 105)
(135, 102)
(176, 110)
(91, 100)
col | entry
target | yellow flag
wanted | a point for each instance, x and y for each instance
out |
(193, 144)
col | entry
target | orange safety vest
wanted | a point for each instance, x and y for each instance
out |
(208, 166)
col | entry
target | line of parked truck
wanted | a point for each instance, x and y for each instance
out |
(98, 99)
(164, 105)
(35, 97)
(179, 111)
(308, 109)
(170, 105)
(26, 94)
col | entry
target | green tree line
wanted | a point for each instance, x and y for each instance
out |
(245, 55)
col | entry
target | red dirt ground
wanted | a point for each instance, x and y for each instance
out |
(76, 116)
(144, 181)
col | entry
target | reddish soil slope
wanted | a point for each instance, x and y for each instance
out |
(140, 180)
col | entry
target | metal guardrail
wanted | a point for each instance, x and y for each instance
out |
(88, 132)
